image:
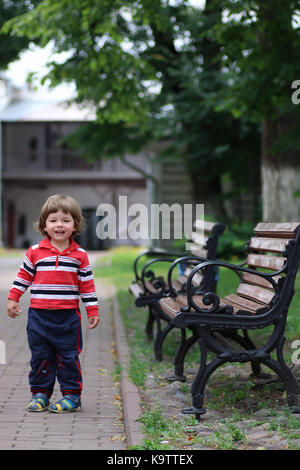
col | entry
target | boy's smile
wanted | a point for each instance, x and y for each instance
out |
(60, 227)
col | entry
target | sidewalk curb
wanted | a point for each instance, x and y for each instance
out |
(130, 393)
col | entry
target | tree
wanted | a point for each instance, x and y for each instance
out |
(12, 46)
(260, 50)
(150, 70)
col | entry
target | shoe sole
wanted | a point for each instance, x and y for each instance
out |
(65, 411)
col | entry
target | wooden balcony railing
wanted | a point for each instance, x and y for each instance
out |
(65, 160)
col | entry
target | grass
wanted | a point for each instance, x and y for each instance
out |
(168, 433)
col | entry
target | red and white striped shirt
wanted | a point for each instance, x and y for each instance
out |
(57, 280)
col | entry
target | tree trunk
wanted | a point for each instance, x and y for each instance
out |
(209, 193)
(280, 171)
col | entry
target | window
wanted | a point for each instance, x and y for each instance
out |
(33, 144)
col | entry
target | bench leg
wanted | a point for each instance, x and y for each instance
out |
(288, 378)
(160, 337)
(150, 322)
(185, 345)
(199, 383)
(248, 344)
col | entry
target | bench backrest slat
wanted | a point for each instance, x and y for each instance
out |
(256, 293)
(281, 230)
(265, 261)
(199, 238)
(259, 281)
(268, 251)
(203, 244)
(198, 251)
(275, 245)
(204, 225)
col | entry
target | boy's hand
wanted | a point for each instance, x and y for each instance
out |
(13, 308)
(93, 321)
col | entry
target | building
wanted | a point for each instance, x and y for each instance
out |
(34, 166)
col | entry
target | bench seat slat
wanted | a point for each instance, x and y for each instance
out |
(151, 287)
(242, 303)
(169, 306)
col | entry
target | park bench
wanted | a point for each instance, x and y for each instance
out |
(262, 299)
(148, 288)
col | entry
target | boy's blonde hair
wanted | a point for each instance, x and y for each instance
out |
(64, 203)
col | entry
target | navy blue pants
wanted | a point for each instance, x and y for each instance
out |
(55, 341)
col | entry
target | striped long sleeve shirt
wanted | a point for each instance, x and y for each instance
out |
(57, 280)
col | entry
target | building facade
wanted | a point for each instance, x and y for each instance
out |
(35, 165)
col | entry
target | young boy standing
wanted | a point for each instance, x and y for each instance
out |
(58, 272)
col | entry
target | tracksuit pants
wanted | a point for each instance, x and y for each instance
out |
(55, 341)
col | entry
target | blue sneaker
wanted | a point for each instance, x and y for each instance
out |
(66, 404)
(39, 402)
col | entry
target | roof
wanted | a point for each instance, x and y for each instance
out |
(44, 111)
(35, 106)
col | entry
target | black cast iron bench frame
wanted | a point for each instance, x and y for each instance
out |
(215, 314)
(149, 288)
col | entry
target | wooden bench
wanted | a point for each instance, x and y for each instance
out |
(148, 288)
(262, 299)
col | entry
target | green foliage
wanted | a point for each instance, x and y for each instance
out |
(12, 46)
(260, 53)
(137, 371)
(206, 79)
(233, 243)
(228, 435)
(150, 70)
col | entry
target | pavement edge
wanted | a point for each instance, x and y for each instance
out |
(130, 394)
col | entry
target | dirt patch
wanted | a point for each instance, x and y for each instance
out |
(242, 412)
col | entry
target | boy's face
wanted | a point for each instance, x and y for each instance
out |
(59, 226)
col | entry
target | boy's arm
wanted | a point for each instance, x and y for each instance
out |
(24, 277)
(87, 289)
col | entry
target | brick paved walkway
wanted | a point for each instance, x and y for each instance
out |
(99, 425)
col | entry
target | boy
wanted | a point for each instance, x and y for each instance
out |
(58, 271)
